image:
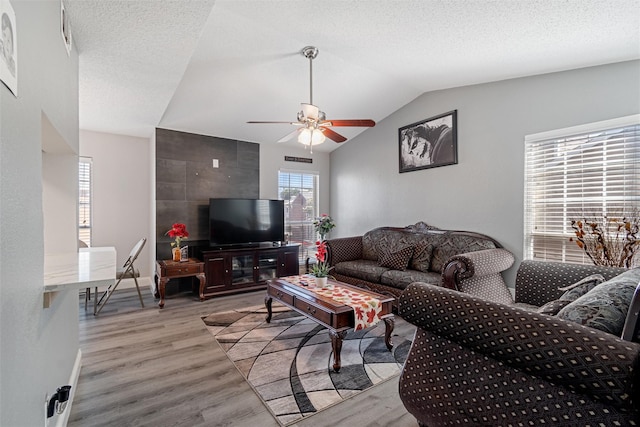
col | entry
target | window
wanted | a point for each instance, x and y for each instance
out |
(591, 170)
(299, 190)
(84, 200)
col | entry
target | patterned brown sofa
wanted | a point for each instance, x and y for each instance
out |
(476, 362)
(388, 259)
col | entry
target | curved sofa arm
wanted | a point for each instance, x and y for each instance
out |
(476, 263)
(577, 357)
(344, 249)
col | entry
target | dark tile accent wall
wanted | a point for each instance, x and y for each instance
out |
(186, 179)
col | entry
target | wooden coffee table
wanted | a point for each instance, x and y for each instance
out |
(334, 315)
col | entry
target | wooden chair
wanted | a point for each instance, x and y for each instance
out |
(128, 271)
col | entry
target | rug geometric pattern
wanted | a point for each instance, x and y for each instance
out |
(288, 362)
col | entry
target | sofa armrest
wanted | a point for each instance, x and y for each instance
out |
(344, 249)
(582, 359)
(475, 264)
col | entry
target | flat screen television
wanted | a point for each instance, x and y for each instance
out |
(245, 222)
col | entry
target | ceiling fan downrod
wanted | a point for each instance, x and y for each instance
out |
(310, 52)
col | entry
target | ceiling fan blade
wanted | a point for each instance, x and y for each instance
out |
(288, 136)
(355, 122)
(333, 135)
(284, 123)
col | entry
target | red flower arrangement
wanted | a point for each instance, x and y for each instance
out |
(321, 268)
(179, 232)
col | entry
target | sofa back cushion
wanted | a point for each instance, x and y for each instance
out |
(421, 259)
(537, 282)
(452, 243)
(381, 240)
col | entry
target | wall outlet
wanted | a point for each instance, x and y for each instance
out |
(216, 163)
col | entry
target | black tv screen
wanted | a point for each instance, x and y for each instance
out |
(245, 221)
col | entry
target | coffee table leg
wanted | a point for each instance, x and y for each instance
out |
(389, 323)
(336, 345)
(267, 302)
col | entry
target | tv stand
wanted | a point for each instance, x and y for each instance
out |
(234, 270)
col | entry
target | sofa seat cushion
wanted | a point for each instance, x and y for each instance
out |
(605, 306)
(363, 269)
(402, 279)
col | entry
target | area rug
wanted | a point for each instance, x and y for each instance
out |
(288, 361)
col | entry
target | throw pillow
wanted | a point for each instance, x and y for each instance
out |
(572, 293)
(396, 260)
(605, 306)
(421, 257)
(553, 307)
(575, 291)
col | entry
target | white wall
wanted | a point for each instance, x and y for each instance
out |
(484, 191)
(59, 191)
(38, 347)
(272, 161)
(122, 208)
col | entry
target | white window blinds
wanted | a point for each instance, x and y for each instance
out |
(84, 200)
(591, 171)
(299, 190)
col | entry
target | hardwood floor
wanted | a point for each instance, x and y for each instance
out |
(152, 367)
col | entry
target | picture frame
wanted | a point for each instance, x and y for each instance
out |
(429, 143)
(8, 47)
(184, 254)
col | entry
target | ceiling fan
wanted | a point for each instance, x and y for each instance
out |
(313, 126)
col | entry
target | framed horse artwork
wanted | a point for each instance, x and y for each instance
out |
(429, 143)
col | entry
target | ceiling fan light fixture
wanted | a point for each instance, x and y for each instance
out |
(305, 136)
(317, 137)
(310, 111)
(311, 137)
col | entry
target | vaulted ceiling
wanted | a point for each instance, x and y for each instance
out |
(208, 67)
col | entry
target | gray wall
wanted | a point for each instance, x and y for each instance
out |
(38, 347)
(484, 191)
(186, 179)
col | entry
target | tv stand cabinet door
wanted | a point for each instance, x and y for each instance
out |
(217, 272)
(288, 264)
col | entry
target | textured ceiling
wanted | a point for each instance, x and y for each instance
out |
(207, 67)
